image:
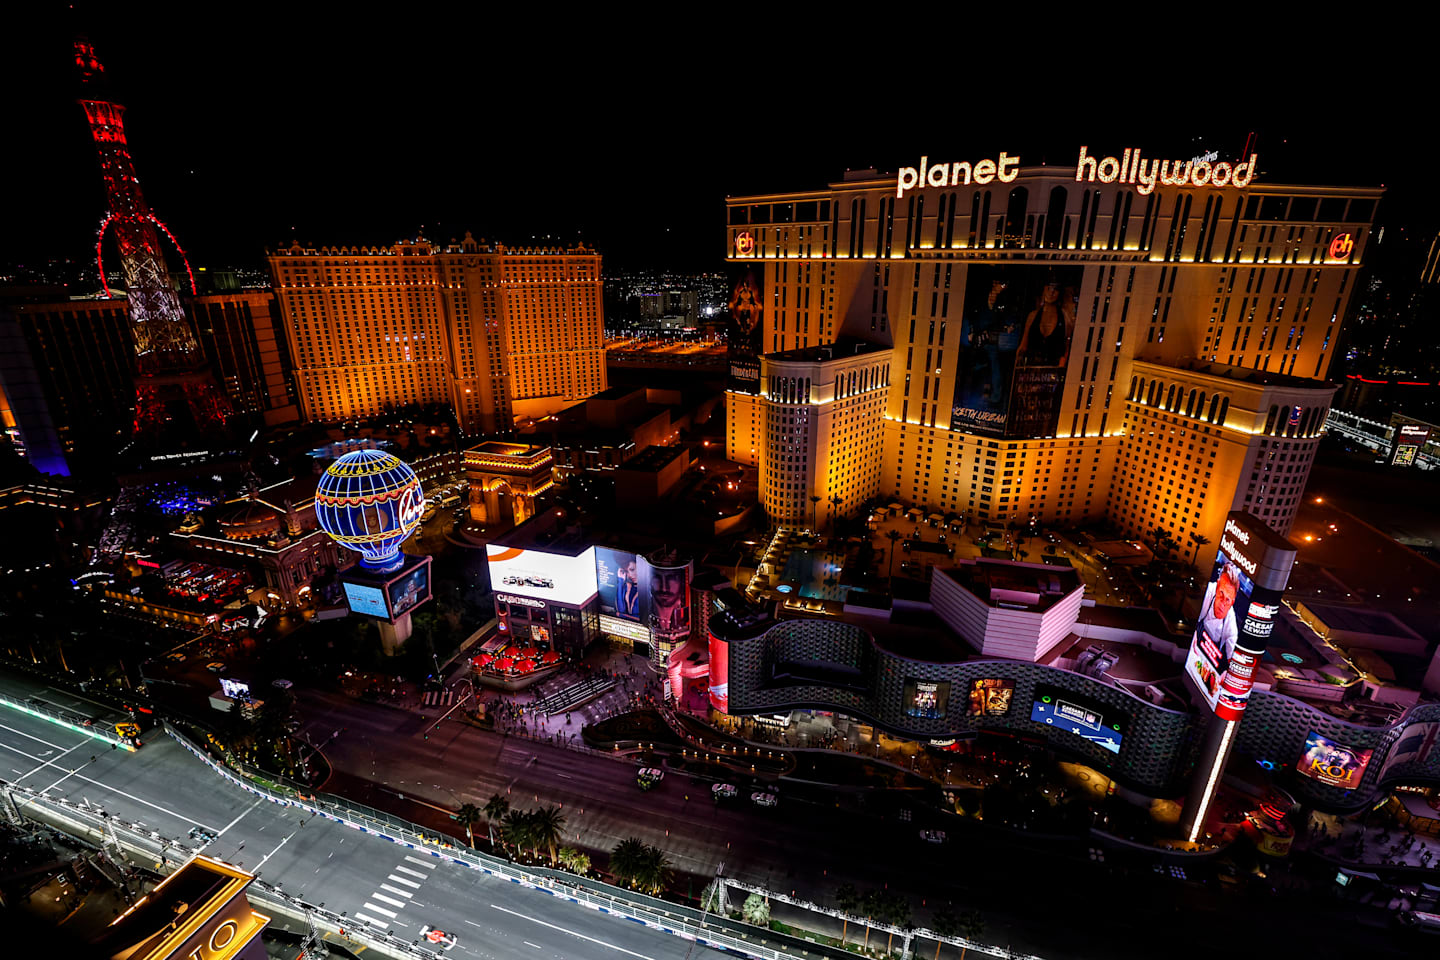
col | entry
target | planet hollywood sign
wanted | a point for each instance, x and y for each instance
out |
(1129, 167)
(1231, 543)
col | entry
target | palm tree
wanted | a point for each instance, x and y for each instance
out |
(945, 924)
(836, 502)
(896, 911)
(574, 861)
(871, 906)
(495, 809)
(1200, 540)
(625, 860)
(847, 899)
(515, 828)
(468, 815)
(815, 510)
(972, 927)
(546, 826)
(892, 535)
(653, 874)
(1156, 535)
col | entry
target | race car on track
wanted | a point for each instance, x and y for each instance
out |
(446, 941)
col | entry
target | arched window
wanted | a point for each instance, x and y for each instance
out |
(1170, 398)
(1055, 217)
(1200, 405)
(1190, 405)
(1214, 406)
(1131, 394)
(1224, 409)
(1270, 420)
(1014, 235)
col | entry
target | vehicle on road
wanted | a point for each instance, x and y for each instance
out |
(723, 791)
(446, 941)
(215, 666)
(932, 836)
(177, 657)
(281, 684)
(762, 799)
(648, 777)
(1420, 920)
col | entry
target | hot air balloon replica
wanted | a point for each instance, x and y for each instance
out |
(370, 501)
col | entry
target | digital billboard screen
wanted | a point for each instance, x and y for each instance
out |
(1217, 629)
(365, 599)
(1410, 439)
(554, 577)
(622, 590)
(719, 674)
(991, 696)
(745, 327)
(409, 591)
(1104, 726)
(1333, 763)
(668, 593)
(925, 699)
(1015, 340)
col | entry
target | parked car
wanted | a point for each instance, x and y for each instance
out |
(215, 666)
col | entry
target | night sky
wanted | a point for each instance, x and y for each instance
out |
(266, 124)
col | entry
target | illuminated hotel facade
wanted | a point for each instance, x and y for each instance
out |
(1191, 329)
(496, 332)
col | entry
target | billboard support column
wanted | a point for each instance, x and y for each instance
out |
(1219, 739)
(392, 634)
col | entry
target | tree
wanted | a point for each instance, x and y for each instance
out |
(871, 906)
(546, 827)
(972, 927)
(625, 860)
(896, 911)
(756, 910)
(847, 900)
(713, 896)
(892, 535)
(836, 502)
(653, 873)
(574, 861)
(815, 510)
(1157, 535)
(495, 809)
(515, 828)
(467, 816)
(1199, 540)
(945, 924)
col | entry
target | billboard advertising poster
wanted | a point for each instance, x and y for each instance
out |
(745, 327)
(1217, 629)
(990, 697)
(1332, 763)
(618, 582)
(409, 591)
(554, 577)
(1409, 440)
(1104, 726)
(668, 592)
(926, 699)
(365, 599)
(719, 674)
(1016, 329)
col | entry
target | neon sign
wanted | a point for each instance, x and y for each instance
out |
(1341, 246)
(745, 243)
(956, 174)
(1130, 168)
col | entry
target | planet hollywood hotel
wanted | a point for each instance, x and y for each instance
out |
(1130, 337)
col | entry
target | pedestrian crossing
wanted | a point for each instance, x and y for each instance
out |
(397, 893)
(438, 698)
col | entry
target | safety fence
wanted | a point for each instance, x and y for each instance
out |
(70, 720)
(674, 919)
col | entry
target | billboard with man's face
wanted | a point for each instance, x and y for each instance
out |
(1015, 342)
(668, 591)
(1217, 629)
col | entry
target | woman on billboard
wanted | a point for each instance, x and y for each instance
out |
(1046, 342)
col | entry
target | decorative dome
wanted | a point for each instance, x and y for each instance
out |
(249, 521)
(370, 501)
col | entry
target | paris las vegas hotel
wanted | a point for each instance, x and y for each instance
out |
(1205, 321)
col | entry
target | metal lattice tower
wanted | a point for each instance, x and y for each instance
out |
(169, 366)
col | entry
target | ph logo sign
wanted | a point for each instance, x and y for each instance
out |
(745, 243)
(1341, 246)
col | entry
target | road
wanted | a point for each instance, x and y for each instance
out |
(385, 885)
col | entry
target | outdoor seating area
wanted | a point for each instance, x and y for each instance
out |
(514, 661)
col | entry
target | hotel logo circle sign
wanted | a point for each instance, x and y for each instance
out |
(745, 243)
(1341, 246)
(1129, 167)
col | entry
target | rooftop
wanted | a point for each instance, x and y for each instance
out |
(839, 350)
(1014, 585)
(653, 459)
(1261, 378)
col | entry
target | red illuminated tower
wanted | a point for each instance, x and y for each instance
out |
(172, 383)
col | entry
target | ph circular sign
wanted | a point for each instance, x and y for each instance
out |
(1341, 246)
(745, 243)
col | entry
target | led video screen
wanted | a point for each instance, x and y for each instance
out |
(991, 696)
(1333, 763)
(925, 699)
(367, 600)
(544, 576)
(1103, 726)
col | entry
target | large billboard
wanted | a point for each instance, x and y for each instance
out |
(668, 593)
(991, 696)
(1016, 328)
(925, 699)
(553, 577)
(719, 674)
(745, 327)
(618, 581)
(1101, 725)
(1410, 439)
(1237, 612)
(409, 591)
(366, 600)
(1333, 763)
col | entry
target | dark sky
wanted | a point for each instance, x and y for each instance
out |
(263, 123)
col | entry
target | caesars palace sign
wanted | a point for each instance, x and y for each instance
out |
(1129, 167)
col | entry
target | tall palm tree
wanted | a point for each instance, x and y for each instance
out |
(892, 536)
(546, 826)
(896, 911)
(815, 510)
(515, 829)
(654, 872)
(1200, 540)
(847, 899)
(625, 860)
(495, 809)
(467, 816)
(871, 906)
(945, 924)
(972, 927)
(836, 502)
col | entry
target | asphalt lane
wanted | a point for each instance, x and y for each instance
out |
(384, 885)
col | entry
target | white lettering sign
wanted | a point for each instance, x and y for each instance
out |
(522, 601)
(1231, 549)
(1129, 167)
(956, 174)
(1236, 531)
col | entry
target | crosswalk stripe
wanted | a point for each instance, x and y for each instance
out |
(413, 873)
(373, 922)
(403, 893)
(410, 883)
(427, 864)
(388, 913)
(389, 900)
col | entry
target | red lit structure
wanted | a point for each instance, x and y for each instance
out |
(170, 375)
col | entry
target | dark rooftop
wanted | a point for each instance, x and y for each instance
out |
(1037, 585)
(653, 459)
(1247, 375)
(844, 347)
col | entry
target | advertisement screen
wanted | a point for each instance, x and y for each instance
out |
(1332, 763)
(925, 699)
(410, 590)
(1409, 441)
(1104, 726)
(668, 591)
(991, 697)
(615, 627)
(366, 599)
(622, 590)
(745, 327)
(235, 689)
(1217, 629)
(544, 576)
(1016, 329)
(719, 674)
